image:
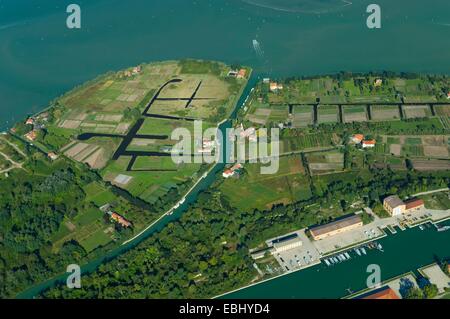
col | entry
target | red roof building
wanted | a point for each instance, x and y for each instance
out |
(414, 204)
(121, 220)
(368, 143)
(383, 293)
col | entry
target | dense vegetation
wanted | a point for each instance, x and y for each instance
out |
(206, 252)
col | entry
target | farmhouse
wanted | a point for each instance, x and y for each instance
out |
(395, 206)
(233, 170)
(274, 86)
(31, 136)
(52, 156)
(378, 82)
(29, 121)
(357, 138)
(368, 143)
(120, 219)
(336, 227)
(241, 74)
(286, 243)
(448, 96)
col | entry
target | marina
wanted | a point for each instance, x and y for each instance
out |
(396, 254)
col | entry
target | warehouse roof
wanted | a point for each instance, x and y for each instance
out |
(335, 225)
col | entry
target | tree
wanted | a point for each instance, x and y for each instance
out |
(430, 291)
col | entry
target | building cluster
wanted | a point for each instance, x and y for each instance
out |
(396, 207)
(239, 74)
(359, 139)
(336, 227)
(136, 70)
(233, 171)
(275, 87)
(38, 122)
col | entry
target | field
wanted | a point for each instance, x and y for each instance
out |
(263, 114)
(302, 116)
(416, 111)
(354, 113)
(443, 111)
(325, 162)
(256, 191)
(306, 142)
(328, 114)
(385, 112)
(109, 106)
(431, 165)
(150, 185)
(430, 146)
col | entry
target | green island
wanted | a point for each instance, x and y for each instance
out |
(347, 141)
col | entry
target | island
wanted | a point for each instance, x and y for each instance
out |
(362, 157)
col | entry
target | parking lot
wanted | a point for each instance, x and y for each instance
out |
(299, 257)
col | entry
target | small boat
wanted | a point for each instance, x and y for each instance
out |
(331, 261)
(347, 255)
(444, 228)
(421, 227)
(342, 257)
(363, 250)
(379, 246)
(327, 262)
(335, 260)
(358, 251)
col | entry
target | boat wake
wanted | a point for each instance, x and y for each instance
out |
(301, 6)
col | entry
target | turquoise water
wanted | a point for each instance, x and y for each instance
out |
(40, 58)
(403, 252)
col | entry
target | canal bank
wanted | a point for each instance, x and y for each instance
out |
(172, 215)
(403, 252)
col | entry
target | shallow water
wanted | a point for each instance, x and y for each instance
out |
(40, 58)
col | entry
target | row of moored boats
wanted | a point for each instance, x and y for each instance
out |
(362, 250)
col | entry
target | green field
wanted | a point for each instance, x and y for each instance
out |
(256, 191)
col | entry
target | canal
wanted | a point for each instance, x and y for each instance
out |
(160, 224)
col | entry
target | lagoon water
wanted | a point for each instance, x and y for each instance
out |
(40, 58)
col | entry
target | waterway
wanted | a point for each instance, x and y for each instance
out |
(203, 184)
(40, 58)
(403, 252)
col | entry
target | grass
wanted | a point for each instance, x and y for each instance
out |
(97, 194)
(437, 200)
(96, 239)
(256, 191)
(88, 217)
